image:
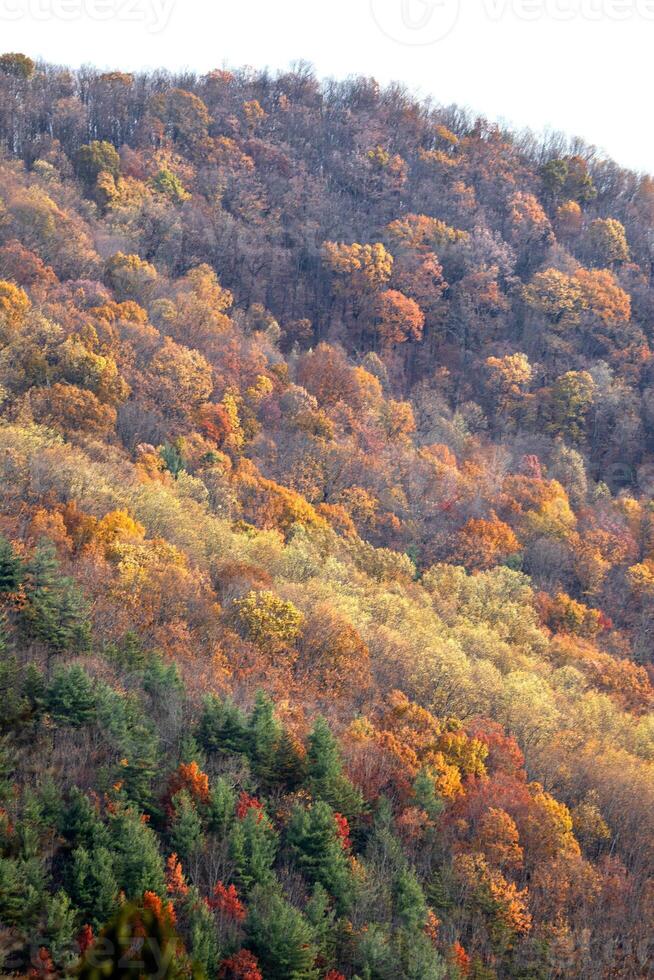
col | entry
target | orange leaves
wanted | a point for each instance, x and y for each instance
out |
(566, 614)
(564, 299)
(602, 295)
(418, 231)
(190, 777)
(481, 543)
(226, 902)
(497, 836)
(175, 881)
(163, 912)
(67, 407)
(502, 902)
(399, 318)
(419, 741)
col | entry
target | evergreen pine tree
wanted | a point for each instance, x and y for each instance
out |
(55, 613)
(280, 937)
(409, 905)
(92, 884)
(11, 569)
(186, 830)
(221, 806)
(138, 865)
(264, 733)
(61, 925)
(313, 839)
(81, 825)
(223, 727)
(326, 778)
(253, 848)
(200, 926)
(70, 697)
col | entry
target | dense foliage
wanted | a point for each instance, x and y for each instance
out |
(327, 540)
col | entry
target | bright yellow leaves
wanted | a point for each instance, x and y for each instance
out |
(14, 307)
(358, 267)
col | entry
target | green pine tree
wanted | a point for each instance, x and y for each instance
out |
(253, 848)
(280, 937)
(11, 569)
(81, 824)
(264, 734)
(56, 612)
(409, 905)
(220, 810)
(92, 885)
(61, 925)
(313, 839)
(186, 833)
(138, 865)
(326, 777)
(223, 727)
(70, 697)
(200, 926)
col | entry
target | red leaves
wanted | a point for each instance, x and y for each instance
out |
(343, 831)
(242, 966)
(246, 803)
(227, 903)
(85, 939)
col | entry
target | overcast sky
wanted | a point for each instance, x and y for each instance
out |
(581, 66)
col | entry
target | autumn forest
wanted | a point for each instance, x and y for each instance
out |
(326, 536)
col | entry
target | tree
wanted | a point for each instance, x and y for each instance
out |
(265, 733)
(571, 399)
(71, 697)
(11, 569)
(280, 938)
(92, 884)
(483, 543)
(55, 612)
(253, 847)
(409, 905)
(508, 376)
(223, 726)
(399, 318)
(71, 409)
(326, 777)
(605, 243)
(314, 838)
(14, 307)
(241, 966)
(17, 65)
(182, 378)
(130, 277)
(138, 865)
(186, 834)
(267, 620)
(94, 159)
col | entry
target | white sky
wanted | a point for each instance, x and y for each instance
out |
(581, 66)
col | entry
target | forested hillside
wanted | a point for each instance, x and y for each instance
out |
(326, 536)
